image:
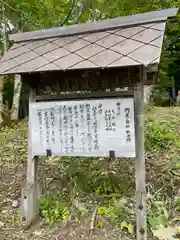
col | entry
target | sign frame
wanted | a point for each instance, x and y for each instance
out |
(127, 150)
(31, 193)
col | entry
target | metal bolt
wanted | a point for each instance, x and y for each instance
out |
(140, 207)
(142, 231)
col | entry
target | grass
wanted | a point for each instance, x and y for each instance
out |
(77, 187)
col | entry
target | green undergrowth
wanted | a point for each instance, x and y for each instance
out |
(109, 186)
(76, 188)
(162, 132)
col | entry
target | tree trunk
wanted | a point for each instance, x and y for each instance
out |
(173, 91)
(16, 98)
(1, 98)
(4, 50)
(178, 98)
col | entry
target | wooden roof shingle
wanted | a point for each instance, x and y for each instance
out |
(126, 41)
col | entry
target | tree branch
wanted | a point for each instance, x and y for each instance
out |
(92, 221)
(80, 13)
(69, 13)
(5, 3)
(90, 13)
(174, 173)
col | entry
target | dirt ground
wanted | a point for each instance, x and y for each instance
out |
(13, 157)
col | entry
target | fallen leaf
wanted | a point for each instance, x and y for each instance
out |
(15, 204)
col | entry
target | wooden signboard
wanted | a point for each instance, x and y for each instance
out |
(108, 126)
(83, 128)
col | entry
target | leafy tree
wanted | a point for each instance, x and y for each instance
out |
(28, 15)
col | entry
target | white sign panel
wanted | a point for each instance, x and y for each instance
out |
(83, 128)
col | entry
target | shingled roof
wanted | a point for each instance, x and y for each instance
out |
(125, 41)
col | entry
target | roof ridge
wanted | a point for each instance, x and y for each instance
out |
(102, 25)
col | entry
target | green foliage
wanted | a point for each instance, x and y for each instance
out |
(53, 210)
(127, 226)
(116, 211)
(111, 184)
(99, 177)
(70, 180)
(159, 215)
(105, 188)
(160, 96)
(170, 59)
(8, 91)
(177, 204)
(30, 15)
(158, 136)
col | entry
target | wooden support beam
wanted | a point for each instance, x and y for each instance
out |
(86, 96)
(141, 222)
(31, 193)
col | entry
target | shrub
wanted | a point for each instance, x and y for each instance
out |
(53, 210)
(158, 136)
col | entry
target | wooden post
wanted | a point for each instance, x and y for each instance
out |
(141, 225)
(31, 170)
(31, 193)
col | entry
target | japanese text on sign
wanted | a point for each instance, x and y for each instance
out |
(83, 128)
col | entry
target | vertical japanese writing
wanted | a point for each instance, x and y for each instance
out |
(59, 111)
(95, 129)
(106, 120)
(127, 124)
(71, 128)
(82, 127)
(89, 133)
(100, 111)
(113, 116)
(118, 108)
(65, 126)
(110, 119)
(39, 114)
(52, 124)
(46, 120)
(76, 119)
